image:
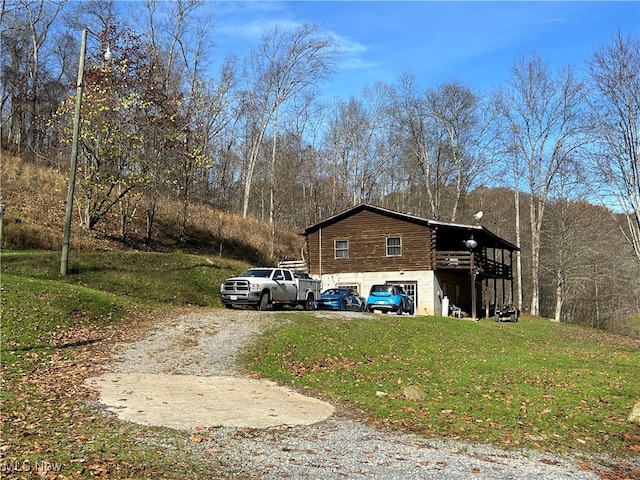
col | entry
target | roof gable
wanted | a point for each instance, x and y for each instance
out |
(471, 229)
(360, 208)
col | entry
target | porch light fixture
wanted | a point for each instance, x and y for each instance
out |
(471, 243)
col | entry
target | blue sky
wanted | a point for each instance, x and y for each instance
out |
(475, 42)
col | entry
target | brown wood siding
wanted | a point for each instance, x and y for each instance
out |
(313, 252)
(367, 234)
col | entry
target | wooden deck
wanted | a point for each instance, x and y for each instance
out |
(461, 260)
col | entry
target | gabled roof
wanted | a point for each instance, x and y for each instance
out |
(478, 231)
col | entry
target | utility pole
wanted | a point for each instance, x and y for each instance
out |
(66, 239)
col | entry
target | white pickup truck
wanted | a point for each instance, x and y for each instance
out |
(261, 287)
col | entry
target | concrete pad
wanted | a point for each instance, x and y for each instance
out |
(187, 401)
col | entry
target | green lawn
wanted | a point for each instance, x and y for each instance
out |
(534, 383)
(55, 333)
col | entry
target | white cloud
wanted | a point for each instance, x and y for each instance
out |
(352, 53)
(254, 29)
(249, 21)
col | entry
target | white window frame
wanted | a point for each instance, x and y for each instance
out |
(398, 246)
(344, 249)
(350, 286)
(411, 289)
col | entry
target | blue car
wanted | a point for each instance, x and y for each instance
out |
(341, 299)
(390, 298)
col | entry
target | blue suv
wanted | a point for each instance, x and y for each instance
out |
(390, 298)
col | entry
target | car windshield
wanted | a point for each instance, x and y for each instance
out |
(383, 289)
(257, 272)
(336, 291)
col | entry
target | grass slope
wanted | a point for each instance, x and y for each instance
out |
(535, 383)
(57, 331)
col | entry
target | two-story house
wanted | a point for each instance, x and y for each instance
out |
(367, 245)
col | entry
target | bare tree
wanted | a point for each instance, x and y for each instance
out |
(284, 65)
(583, 282)
(456, 113)
(543, 115)
(191, 106)
(615, 106)
(444, 132)
(517, 172)
(97, 17)
(15, 76)
(41, 16)
(298, 164)
(346, 145)
(357, 141)
(563, 237)
(26, 27)
(416, 129)
(177, 37)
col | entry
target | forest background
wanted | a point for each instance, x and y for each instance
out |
(173, 152)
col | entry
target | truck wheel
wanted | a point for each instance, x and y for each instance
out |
(263, 303)
(309, 303)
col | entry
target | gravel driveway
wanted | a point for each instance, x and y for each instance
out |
(184, 376)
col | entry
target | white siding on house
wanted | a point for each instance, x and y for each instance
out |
(428, 291)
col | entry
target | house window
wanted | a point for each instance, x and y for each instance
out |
(341, 248)
(394, 247)
(410, 288)
(350, 287)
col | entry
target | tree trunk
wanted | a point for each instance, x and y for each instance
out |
(536, 213)
(559, 295)
(272, 185)
(150, 217)
(518, 256)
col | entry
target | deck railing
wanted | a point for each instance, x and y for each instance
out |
(453, 260)
(461, 260)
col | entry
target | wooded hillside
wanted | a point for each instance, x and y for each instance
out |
(173, 153)
(34, 199)
(581, 240)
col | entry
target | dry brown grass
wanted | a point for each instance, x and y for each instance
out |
(35, 198)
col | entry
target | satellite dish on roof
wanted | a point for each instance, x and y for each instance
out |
(478, 216)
